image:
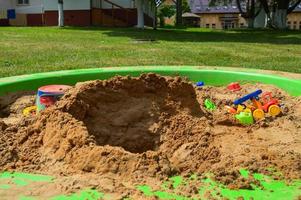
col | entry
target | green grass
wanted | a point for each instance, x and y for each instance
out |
(40, 49)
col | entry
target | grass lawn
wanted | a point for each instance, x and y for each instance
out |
(29, 50)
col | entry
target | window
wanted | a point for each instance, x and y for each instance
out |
(241, 25)
(289, 24)
(22, 2)
(213, 26)
(207, 25)
(295, 25)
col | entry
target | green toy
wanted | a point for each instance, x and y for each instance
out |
(209, 104)
(245, 118)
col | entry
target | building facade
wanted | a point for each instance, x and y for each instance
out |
(76, 12)
(120, 13)
(222, 20)
(227, 17)
(294, 19)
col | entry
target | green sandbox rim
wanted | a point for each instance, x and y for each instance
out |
(210, 76)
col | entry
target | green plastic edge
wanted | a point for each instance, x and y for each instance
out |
(209, 76)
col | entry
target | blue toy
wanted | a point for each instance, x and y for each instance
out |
(200, 84)
(250, 96)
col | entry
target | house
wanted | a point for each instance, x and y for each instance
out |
(227, 17)
(294, 19)
(76, 12)
(44, 12)
(218, 17)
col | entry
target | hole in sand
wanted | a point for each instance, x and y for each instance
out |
(131, 113)
(126, 122)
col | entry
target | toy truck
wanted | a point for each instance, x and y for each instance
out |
(270, 105)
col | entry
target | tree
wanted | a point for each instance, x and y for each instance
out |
(249, 12)
(60, 13)
(165, 11)
(179, 13)
(277, 11)
(185, 6)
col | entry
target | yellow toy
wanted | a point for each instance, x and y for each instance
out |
(258, 109)
(30, 111)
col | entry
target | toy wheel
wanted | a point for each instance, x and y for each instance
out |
(274, 110)
(258, 114)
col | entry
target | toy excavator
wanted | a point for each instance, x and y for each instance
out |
(268, 105)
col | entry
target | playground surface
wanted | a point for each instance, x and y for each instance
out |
(148, 137)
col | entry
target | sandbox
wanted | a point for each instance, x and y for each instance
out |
(142, 135)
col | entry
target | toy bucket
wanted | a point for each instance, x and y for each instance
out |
(49, 94)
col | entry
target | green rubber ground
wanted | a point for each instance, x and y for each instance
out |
(171, 189)
(269, 189)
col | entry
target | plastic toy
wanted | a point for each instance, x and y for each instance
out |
(48, 100)
(234, 87)
(200, 84)
(49, 94)
(271, 105)
(231, 110)
(258, 109)
(253, 95)
(245, 118)
(30, 111)
(209, 104)
(258, 113)
(240, 108)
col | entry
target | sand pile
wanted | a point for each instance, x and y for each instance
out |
(124, 125)
(152, 126)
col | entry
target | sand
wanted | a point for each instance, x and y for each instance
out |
(125, 131)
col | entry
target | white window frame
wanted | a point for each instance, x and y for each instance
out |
(23, 3)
